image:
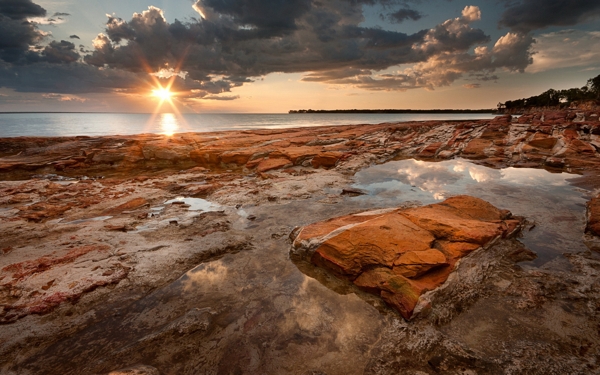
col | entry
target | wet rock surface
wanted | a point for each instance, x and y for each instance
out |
(402, 253)
(107, 265)
(545, 139)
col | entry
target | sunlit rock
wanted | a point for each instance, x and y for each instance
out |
(401, 253)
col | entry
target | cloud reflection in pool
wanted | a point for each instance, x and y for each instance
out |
(557, 208)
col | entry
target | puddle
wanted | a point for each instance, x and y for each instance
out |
(547, 199)
(196, 204)
(195, 207)
(257, 302)
(80, 221)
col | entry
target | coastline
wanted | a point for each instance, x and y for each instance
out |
(424, 111)
(86, 253)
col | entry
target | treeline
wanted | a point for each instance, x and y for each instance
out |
(557, 98)
(393, 111)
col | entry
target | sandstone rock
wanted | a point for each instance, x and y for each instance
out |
(39, 285)
(430, 150)
(200, 191)
(543, 142)
(326, 159)
(450, 224)
(397, 291)
(206, 157)
(456, 250)
(108, 156)
(298, 154)
(20, 198)
(41, 211)
(532, 142)
(503, 119)
(239, 157)
(353, 251)
(271, 164)
(413, 264)
(476, 148)
(130, 205)
(399, 254)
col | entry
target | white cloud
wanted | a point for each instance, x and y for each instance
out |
(471, 13)
(564, 49)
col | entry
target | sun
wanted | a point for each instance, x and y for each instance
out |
(162, 93)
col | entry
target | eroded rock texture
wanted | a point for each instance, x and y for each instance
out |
(562, 139)
(400, 254)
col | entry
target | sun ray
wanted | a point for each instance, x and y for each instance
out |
(163, 93)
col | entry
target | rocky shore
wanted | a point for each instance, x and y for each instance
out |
(247, 252)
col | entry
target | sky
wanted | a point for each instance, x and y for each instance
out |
(271, 56)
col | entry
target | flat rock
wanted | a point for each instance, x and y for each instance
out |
(399, 254)
(271, 164)
(129, 205)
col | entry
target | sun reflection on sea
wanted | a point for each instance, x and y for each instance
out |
(168, 123)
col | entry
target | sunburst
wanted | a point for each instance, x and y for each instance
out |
(162, 93)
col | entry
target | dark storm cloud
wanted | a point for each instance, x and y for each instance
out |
(235, 41)
(16, 33)
(60, 52)
(20, 9)
(529, 15)
(215, 97)
(404, 14)
(327, 37)
(16, 36)
(68, 78)
(61, 14)
(277, 16)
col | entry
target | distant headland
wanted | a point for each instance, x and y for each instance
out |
(393, 111)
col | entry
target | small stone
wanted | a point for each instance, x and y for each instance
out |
(353, 192)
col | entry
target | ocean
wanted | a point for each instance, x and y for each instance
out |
(95, 124)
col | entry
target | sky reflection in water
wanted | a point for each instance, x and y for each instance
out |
(168, 124)
(557, 208)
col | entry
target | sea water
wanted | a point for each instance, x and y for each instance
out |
(95, 124)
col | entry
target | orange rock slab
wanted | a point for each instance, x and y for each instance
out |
(399, 254)
(271, 164)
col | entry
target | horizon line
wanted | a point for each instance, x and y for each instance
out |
(247, 113)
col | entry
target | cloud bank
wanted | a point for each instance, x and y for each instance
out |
(232, 43)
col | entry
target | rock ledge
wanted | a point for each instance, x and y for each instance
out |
(399, 254)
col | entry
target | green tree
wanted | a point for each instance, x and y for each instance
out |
(593, 85)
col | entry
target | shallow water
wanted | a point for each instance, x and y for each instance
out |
(81, 221)
(196, 204)
(545, 199)
(262, 314)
